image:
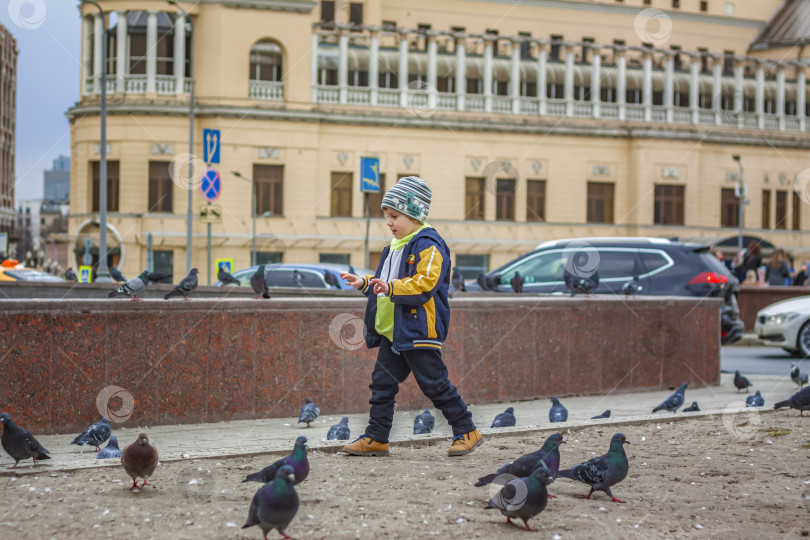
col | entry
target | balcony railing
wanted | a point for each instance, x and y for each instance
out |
(266, 90)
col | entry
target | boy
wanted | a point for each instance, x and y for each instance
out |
(407, 317)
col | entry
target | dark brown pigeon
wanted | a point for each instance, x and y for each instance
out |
(742, 383)
(20, 444)
(139, 460)
(517, 283)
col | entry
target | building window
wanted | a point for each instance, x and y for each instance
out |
(356, 14)
(160, 187)
(493, 35)
(556, 41)
(375, 199)
(728, 62)
(704, 5)
(781, 209)
(328, 13)
(163, 262)
(668, 205)
(704, 59)
(766, 209)
(334, 258)
(676, 4)
(729, 208)
(600, 202)
(341, 194)
(505, 200)
(265, 61)
(474, 198)
(137, 54)
(389, 26)
(525, 46)
(471, 265)
(269, 257)
(536, 200)
(421, 33)
(112, 186)
(269, 183)
(797, 212)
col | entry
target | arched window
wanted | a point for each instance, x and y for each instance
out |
(265, 62)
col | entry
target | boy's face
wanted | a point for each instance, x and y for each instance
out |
(400, 224)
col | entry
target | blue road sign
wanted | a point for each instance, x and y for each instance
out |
(211, 140)
(370, 174)
(211, 185)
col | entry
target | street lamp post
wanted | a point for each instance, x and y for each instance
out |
(740, 191)
(102, 272)
(189, 215)
(253, 207)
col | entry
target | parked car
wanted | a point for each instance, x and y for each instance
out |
(11, 270)
(304, 275)
(661, 267)
(786, 324)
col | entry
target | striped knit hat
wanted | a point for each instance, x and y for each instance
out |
(410, 196)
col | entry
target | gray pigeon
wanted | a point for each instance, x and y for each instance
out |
(111, 450)
(505, 419)
(557, 413)
(423, 423)
(692, 408)
(517, 283)
(457, 280)
(158, 276)
(309, 412)
(132, 287)
(605, 414)
(631, 287)
(186, 286)
(741, 382)
(275, 504)
(604, 471)
(226, 278)
(755, 401)
(548, 454)
(799, 401)
(331, 280)
(259, 284)
(524, 498)
(20, 444)
(95, 435)
(297, 459)
(798, 376)
(340, 431)
(116, 274)
(673, 402)
(71, 275)
(576, 284)
(482, 281)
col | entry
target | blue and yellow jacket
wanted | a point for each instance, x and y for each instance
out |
(421, 310)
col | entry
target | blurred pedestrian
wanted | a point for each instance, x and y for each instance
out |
(722, 258)
(777, 272)
(801, 277)
(749, 258)
(750, 279)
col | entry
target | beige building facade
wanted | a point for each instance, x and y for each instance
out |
(8, 128)
(642, 106)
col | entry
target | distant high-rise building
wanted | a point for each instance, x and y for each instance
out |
(8, 114)
(57, 181)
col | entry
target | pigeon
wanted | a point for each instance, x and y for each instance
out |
(309, 412)
(186, 286)
(482, 281)
(799, 377)
(605, 414)
(800, 401)
(20, 444)
(96, 434)
(340, 431)
(71, 275)
(673, 402)
(549, 455)
(557, 413)
(581, 285)
(505, 419)
(692, 408)
(755, 401)
(631, 287)
(457, 280)
(158, 276)
(524, 498)
(226, 278)
(517, 283)
(603, 472)
(297, 460)
(259, 284)
(331, 280)
(741, 382)
(492, 282)
(132, 287)
(111, 450)
(275, 504)
(139, 460)
(423, 423)
(116, 274)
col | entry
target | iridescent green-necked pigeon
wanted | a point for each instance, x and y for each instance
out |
(524, 498)
(604, 471)
(673, 402)
(297, 460)
(132, 287)
(95, 435)
(548, 454)
(340, 431)
(20, 444)
(505, 419)
(275, 504)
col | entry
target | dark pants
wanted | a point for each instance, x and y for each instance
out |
(430, 373)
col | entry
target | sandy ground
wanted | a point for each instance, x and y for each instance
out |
(725, 476)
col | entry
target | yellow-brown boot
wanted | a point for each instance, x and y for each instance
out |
(465, 443)
(364, 446)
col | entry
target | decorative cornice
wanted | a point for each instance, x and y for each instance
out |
(300, 6)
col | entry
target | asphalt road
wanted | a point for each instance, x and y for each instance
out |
(759, 360)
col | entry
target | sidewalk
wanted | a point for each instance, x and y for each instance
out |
(276, 435)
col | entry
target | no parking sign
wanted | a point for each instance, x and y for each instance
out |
(211, 185)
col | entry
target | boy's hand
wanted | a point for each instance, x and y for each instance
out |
(351, 279)
(380, 286)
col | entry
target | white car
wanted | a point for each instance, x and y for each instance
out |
(786, 324)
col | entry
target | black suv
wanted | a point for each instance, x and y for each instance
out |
(660, 267)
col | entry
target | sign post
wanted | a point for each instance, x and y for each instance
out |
(211, 187)
(369, 183)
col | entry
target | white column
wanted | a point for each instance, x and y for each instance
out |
(402, 76)
(739, 94)
(596, 83)
(343, 68)
(542, 55)
(760, 96)
(694, 88)
(515, 77)
(98, 36)
(151, 51)
(461, 73)
(374, 67)
(669, 87)
(488, 74)
(180, 54)
(621, 84)
(431, 71)
(568, 82)
(717, 88)
(646, 93)
(780, 95)
(87, 44)
(801, 99)
(313, 68)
